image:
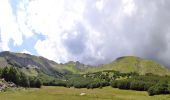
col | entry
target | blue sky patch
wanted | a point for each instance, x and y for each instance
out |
(14, 4)
(28, 44)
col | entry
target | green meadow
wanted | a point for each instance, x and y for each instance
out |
(62, 93)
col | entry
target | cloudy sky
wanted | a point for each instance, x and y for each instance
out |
(89, 31)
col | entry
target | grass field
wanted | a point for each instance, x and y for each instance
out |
(61, 93)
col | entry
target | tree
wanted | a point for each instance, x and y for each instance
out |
(0, 72)
(35, 82)
(14, 75)
(5, 73)
(38, 83)
(24, 81)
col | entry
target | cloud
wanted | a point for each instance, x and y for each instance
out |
(90, 31)
(12, 23)
(99, 31)
(26, 51)
(9, 28)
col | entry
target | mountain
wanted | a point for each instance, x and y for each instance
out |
(36, 65)
(135, 64)
(30, 64)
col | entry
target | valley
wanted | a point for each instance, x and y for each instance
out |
(37, 76)
(61, 93)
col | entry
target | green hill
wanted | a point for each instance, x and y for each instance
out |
(135, 64)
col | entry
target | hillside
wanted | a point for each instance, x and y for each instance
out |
(30, 64)
(40, 66)
(135, 64)
(35, 65)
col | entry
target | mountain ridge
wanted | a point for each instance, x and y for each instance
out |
(33, 65)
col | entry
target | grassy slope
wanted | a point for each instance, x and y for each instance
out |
(61, 93)
(133, 64)
(71, 67)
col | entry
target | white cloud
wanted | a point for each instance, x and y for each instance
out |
(22, 21)
(91, 31)
(9, 28)
(128, 7)
(51, 50)
(13, 27)
(26, 51)
(53, 19)
(99, 4)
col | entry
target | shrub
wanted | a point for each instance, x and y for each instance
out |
(137, 85)
(123, 84)
(159, 88)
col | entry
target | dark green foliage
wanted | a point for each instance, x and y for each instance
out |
(113, 84)
(159, 88)
(98, 79)
(50, 80)
(35, 82)
(24, 80)
(0, 72)
(12, 74)
(123, 84)
(55, 82)
(137, 85)
(5, 73)
(151, 83)
(38, 83)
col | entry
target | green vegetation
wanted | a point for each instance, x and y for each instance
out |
(131, 73)
(154, 85)
(61, 93)
(12, 74)
(136, 64)
(32, 65)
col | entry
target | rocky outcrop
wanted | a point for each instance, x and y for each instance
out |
(4, 85)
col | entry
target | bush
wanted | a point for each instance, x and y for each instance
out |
(38, 83)
(113, 84)
(35, 82)
(123, 84)
(159, 88)
(24, 80)
(137, 85)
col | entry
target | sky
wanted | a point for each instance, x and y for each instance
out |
(90, 31)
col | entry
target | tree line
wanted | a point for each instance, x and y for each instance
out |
(153, 84)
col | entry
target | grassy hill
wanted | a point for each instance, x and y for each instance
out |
(132, 64)
(124, 64)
